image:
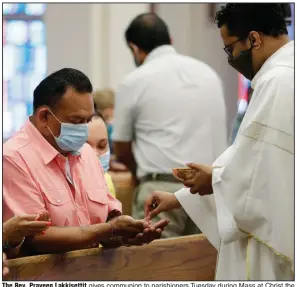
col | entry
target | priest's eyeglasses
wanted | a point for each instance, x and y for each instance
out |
(229, 48)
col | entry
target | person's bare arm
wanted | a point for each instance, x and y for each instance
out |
(64, 239)
(124, 154)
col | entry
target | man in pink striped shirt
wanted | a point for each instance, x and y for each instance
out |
(48, 166)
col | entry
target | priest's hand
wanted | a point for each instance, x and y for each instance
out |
(202, 181)
(158, 202)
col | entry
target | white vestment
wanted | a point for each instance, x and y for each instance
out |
(250, 216)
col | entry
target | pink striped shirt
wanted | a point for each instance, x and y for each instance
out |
(34, 179)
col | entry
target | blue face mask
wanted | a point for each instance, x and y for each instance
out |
(72, 136)
(104, 160)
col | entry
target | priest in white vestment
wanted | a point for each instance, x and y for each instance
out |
(244, 203)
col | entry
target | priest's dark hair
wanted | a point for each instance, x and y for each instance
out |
(51, 89)
(242, 18)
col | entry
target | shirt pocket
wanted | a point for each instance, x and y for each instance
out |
(97, 202)
(60, 207)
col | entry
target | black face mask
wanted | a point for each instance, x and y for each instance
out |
(243, 64)
(137, 63)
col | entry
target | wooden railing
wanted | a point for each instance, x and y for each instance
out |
(184, 258)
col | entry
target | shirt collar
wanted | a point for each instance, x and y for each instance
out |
(272, 61)
(46, 150)
(159, 52)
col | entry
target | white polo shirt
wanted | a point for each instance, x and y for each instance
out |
(172, 108)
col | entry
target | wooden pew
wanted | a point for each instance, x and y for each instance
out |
(124, 187)
(185, 258)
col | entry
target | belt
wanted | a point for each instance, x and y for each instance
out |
(159, 177)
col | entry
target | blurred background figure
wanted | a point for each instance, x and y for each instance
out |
(169, 110)
(104, 106)
(98, 140)
(104, 103)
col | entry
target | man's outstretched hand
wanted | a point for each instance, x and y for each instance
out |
(137, 232)
(150, 233)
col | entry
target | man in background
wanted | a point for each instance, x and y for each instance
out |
(168, 111)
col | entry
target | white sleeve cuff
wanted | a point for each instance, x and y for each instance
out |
(201, 209)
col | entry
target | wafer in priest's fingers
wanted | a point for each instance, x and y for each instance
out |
(183, 173)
